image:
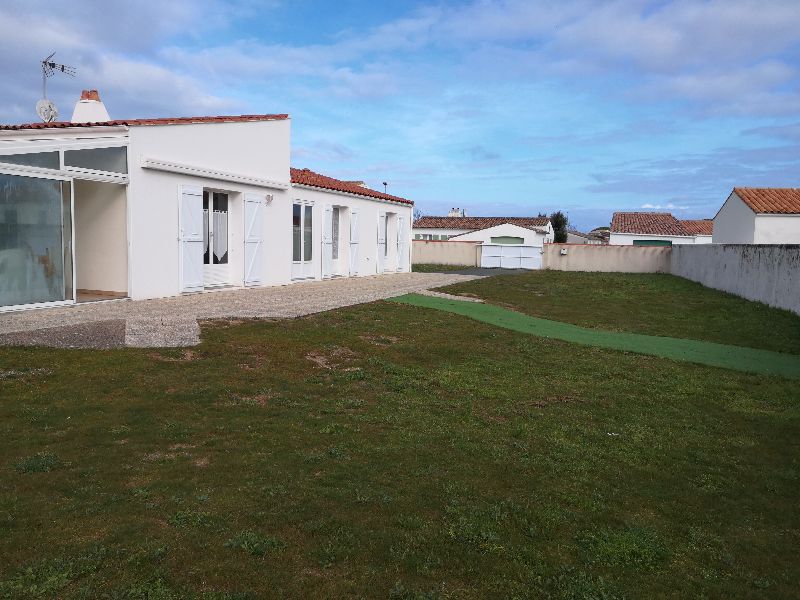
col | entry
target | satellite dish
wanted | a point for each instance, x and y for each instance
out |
(46, 110)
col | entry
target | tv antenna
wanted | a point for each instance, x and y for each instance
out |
(46, 109)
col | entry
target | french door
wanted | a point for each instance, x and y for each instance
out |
(302, 241)
(216, 271)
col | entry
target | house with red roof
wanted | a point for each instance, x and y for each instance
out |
(96, 209)
(527, 231)
(657, 229)
(759, 216)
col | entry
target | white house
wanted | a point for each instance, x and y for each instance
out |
(529, 231)
(150, 208)
(657, 229)
(759, 216)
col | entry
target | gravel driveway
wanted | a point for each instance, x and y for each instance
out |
(173, 322)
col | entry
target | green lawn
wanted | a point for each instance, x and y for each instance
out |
(653, 304)
(393, 451)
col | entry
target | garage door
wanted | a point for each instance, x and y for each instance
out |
(494, 256)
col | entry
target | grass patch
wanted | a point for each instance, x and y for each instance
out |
(433, 268)
(255, 544)
(649, 303)
(41, 462)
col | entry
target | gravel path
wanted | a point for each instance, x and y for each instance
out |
(172, 322)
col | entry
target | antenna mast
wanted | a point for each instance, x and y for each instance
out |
(44, 107)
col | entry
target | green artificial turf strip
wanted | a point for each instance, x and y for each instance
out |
(707, 353)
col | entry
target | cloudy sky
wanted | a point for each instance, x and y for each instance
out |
(505, 107)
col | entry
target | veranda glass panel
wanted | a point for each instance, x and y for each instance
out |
(297, 235)
(111, 160)
(307, 228)
(46, 160)
(33, 233)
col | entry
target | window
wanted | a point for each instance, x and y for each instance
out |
(307, 229)
(111, 160)
(652, 242)
(302, 229)
(297, 239)
(335, 233)
(46, 160)
(34, 238)
(507, 239)
(215, 228)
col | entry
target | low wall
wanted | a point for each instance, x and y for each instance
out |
(592, 257)
(430, 252)
(765, 273)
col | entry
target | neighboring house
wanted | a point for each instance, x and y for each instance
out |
(530, 231)
(701, 229)
(759, 216)
(657, 229)
(576, 237)
(148, 208)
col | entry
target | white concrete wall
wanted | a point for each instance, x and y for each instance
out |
(703, 239)
(777, 229)
(101, 238)
(627, 239)
(530, 237)
(428, 252)
(606, 259)
(734, 223)
(765, 273)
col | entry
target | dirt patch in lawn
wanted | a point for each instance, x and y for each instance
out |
(333, 358)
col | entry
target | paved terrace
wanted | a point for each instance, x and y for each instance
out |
(173, 322)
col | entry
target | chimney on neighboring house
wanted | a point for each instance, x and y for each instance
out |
(457, 212)
(90, 109)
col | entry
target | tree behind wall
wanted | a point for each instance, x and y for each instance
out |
(560, 223)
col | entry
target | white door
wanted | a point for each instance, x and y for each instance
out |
(191, 238)
(510, 256)
(216, 271)
(381, 242)
(327, 241)
(402, 244)
(354, 241)
(253, 240)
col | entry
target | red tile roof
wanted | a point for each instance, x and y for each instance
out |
(310, 178)
(649, 223)
(785, 201)
(699, 226)
(476, 223)
(141, 122)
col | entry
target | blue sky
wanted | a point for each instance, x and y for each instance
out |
(503, 107)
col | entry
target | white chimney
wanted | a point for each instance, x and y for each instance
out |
(90, 109)
(457, 212)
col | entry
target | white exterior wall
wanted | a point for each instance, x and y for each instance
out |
(734, 223)
(530, 237)
(254, 148)
(777, 229)
(703, 239)
(627, 239)
(367, 229)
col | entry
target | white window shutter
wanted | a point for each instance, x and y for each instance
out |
(327, 241)
(354, 266)
(253, 240)
(190, 237)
